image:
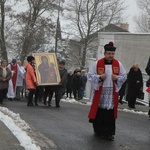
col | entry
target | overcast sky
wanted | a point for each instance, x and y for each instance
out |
(131, 11)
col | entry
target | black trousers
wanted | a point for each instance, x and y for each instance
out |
(120, 98)
(59, 92)
(69, 92)
(38, 94)
(131, 100)
(30, 96)
(3, 94)
(104, 123)
(49, 90)
(77, 93)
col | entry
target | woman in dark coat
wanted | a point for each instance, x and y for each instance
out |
(69, 84)
(77, 84)
(135, 83)
(5, 76)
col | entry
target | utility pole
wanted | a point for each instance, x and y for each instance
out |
(56, 36)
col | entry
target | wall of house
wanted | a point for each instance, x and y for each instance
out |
(131, 49)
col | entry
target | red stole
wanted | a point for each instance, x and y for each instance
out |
(14, 77)
(97, 94)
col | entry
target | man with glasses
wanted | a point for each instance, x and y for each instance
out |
(106, 77)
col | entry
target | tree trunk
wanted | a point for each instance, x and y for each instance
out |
(84, 57)
(25, 49)
(2, 38)
(84, 51)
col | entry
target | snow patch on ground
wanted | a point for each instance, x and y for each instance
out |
(18, 127)
(134, 111)
(89, 104)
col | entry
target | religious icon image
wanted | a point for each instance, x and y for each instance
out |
(46, 69)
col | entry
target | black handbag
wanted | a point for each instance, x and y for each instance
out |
(140, 95)
(148, 82)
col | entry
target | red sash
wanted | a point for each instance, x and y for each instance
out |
(14, 77)
(97, 94)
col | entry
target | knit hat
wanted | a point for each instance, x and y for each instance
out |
(110, 47)
(30, 58)
(14, 61)
(62, 62)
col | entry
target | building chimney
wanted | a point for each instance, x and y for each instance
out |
(124, 26)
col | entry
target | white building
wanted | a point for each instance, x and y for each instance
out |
(131, 49)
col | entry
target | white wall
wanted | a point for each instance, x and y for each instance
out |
(131, 49)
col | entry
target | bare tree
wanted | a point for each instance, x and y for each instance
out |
(143, 19)
(2, 29)
(88, 16)
(34, 26)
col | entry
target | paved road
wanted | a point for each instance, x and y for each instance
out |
(69, 129)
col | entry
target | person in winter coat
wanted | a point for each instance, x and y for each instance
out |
(31, 81)
(77, 84)
(5, 76)
(20, 80)
(135, 83)
(84, 81)
(60, 89)
(69, 84)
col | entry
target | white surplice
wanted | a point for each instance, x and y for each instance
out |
(12, 92)
(106, 98)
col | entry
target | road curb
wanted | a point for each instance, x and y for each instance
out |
(41, 140)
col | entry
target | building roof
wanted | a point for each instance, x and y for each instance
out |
(109, 28)
(112, 28)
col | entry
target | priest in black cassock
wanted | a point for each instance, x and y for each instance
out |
(106, 77)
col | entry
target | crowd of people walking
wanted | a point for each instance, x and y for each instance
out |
(73, 83)
(18, 80)
(108, 78)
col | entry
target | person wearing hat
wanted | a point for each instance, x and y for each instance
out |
(31, 81)
(16, 72)
(106, 77)
(60, 89)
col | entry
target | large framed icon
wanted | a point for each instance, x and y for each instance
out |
(46, 68)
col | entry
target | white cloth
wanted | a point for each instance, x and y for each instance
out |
(21, 76)
(12, 93)
(4, 72)
(106, 99)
